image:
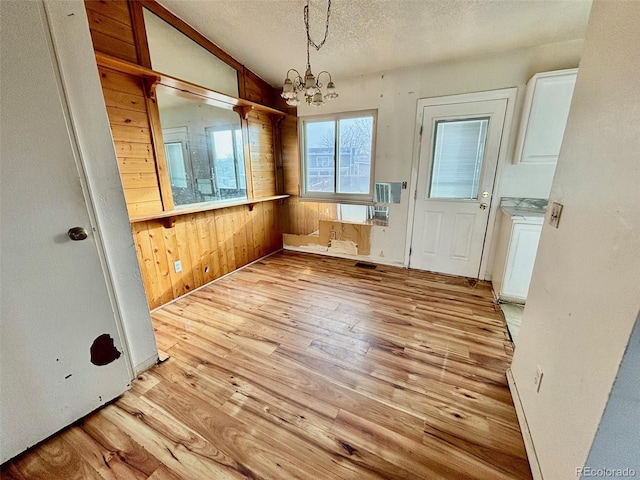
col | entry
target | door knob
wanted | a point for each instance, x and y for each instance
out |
(77, 233)
(483, 206)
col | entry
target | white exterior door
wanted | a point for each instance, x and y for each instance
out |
(458, 155)
(60, 349)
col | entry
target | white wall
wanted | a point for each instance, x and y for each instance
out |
(395, 95)
(585, 290)
(72, 41)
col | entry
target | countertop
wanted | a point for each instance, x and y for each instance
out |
(524, 209)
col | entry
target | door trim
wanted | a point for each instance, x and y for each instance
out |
(507, 93)
(86, 116)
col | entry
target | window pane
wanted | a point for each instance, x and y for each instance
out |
(457, 158)
(242, 176)
(319, 155)
(175, 160)
(224, 160)
(355, 155)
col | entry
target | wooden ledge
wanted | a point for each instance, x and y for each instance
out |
(153, 78)
(169, 217)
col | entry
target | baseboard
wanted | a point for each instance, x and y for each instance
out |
(145, 365)
(534, 465)
(357, 258)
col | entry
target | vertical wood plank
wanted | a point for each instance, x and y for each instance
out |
(232, 262)
(221, 239)
(156, 237)
(147, 264)
(213, 244)
(183, 253)
(173, 255)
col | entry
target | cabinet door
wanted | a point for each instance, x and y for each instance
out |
(520, 260)
(545, 116)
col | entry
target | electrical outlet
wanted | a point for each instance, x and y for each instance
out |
(537, 381)
(333, 235)
(177, 266)
(556, 211)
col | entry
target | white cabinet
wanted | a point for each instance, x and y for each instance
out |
(515, 256)
(544, 118)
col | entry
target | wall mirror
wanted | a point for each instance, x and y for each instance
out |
(203, 146)
(173, 53)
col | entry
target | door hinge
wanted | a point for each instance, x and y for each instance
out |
(421, 127)
(410, 250)
(415, 194)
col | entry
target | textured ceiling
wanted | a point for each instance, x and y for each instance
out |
(368, 36)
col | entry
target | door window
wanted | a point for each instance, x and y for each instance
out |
(458, 150)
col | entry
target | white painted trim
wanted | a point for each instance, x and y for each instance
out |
(508, 94)
(145, 365)
(524, 428)
(348, 198)
(76, 146)
(102, 187)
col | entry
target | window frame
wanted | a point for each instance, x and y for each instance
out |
(335, 197)
(237, 149)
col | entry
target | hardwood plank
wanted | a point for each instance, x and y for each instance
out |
(303, 366)
(110, 436)
(142, 195)
(109, 26)
(123, 100)
(115, 9)
(121, 116)
(114, 46)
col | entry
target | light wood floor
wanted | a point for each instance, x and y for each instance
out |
(308, 367)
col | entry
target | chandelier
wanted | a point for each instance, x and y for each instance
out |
(310, 85)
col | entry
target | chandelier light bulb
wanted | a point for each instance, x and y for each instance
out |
(317, 99)
(287, 89)
(310, 85)
(331, 91)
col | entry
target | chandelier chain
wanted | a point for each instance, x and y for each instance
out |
(317, 46)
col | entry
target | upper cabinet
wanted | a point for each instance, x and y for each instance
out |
(544, 116)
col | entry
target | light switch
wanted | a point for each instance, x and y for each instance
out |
(556, 211)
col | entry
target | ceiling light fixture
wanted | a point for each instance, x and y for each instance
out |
(310, 84)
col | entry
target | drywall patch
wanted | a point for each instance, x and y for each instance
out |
(103, 350)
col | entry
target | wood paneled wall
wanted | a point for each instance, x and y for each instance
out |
(257, 90)
(111, 28)
(303, 218)
(261, 148)
(128, 116)
(208, 244)
(300, 218)
(290, 154)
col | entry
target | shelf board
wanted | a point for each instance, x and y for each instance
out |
(170, 215)
(153, 78)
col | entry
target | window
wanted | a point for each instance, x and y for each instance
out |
(457, 158)
(338, 155)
